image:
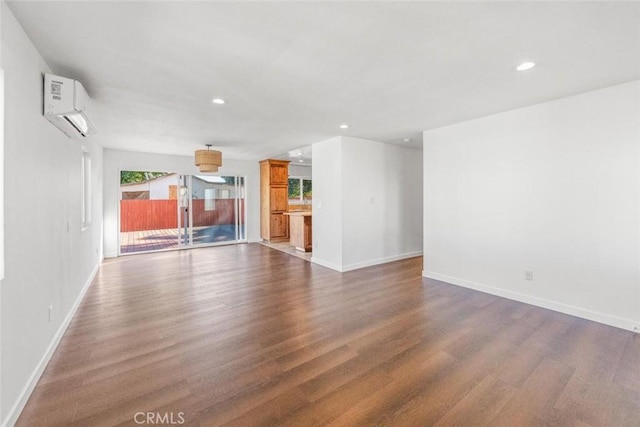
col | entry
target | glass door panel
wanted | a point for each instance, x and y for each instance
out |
(214, 209)
(148, 211)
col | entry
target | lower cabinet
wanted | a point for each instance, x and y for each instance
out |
(301, 231)
(279, 226)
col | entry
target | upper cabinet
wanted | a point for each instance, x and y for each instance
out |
(279, 171)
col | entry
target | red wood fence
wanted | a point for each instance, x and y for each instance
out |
(138, 215)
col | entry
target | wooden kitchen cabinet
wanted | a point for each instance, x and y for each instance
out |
(279, 226)
(300, 230)
(279, 199)
(274, 200)
(279, 173)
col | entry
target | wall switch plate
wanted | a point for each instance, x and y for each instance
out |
(528, 275)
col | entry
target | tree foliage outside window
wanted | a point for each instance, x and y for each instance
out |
(294, 188)
(128, 177)
(299, 189)
(306, 189)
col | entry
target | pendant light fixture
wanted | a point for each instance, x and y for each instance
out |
(208, 160)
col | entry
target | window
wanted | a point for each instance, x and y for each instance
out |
(299, 190)
(209, 199)
(86, 189)
(306, 189)
(294, 189)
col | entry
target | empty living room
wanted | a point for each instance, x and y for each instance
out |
(314, 213)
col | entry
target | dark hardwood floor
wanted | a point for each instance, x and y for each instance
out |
(246, 335)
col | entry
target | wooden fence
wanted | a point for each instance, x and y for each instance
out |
(139, 215)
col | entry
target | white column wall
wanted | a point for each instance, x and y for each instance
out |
(327, 203)
(382, 203)
(1, 199)
(367, 203)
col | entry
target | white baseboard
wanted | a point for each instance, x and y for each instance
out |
(327, 264)
(111, 255)
(17, 408)
(572, 310)
(369, 263)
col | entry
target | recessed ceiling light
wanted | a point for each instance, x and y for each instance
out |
(407, 139)
(298, 154)
(218, 101)
(525, 66)
(301, 161)
(345, 126)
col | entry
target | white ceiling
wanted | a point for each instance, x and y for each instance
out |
(300, 153)
(292, 72)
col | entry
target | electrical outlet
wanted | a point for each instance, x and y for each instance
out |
(528, 275)
(50, 313)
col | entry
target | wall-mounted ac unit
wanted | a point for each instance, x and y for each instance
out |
(65, 105)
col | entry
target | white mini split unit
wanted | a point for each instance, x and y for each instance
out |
(65, 105)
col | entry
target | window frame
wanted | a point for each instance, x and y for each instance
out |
(86, 190)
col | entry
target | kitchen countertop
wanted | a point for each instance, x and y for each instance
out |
(299, 213)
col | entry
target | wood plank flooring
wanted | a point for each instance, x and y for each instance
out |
(246, 335)
(148, 240)
(157, 240)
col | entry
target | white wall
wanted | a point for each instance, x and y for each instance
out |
(1, 200)
(117, 160)
(49, 258)
(382, 203)
(371, 198)
(326, 209)
(553, 188)
(299, 171)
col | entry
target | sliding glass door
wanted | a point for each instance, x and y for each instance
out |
(160, 211)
